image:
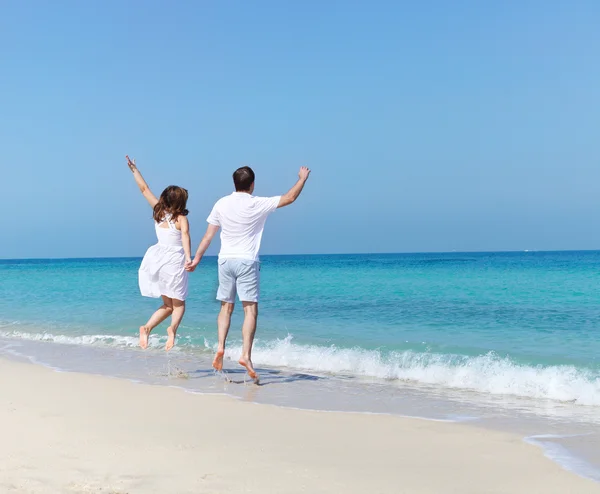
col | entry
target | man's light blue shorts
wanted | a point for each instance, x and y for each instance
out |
(238, 276)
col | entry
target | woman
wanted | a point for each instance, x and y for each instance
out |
(162, 273)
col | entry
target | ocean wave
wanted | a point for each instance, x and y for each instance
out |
(489, 374)
(154, 341)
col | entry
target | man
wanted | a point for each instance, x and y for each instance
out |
(241, 217)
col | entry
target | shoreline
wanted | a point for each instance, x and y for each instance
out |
(71, 432)
(565, 436)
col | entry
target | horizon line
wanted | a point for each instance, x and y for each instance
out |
(315, 255)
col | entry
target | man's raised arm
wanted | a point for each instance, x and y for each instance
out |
(294, 192)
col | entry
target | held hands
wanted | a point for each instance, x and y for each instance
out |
(302, 174)
(190, 266)
(131, 164)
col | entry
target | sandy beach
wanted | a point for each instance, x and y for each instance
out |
(76, 433)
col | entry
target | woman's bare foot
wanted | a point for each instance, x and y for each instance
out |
(171, 339)
(218, 360)
(144, 333)
(247, 363)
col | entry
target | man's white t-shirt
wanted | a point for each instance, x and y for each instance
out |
(242, 218)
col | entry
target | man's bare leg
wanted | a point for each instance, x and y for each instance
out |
(159, 316)
(223, 323)
(248, 331)
(178, 312)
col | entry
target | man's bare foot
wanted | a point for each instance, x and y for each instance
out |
(144, 333)
(171, 339)
(218, 360)
(247, 363)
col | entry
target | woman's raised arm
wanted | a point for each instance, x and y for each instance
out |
(139, 180)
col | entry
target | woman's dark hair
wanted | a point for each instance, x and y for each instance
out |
(172, 201)
(243, 178)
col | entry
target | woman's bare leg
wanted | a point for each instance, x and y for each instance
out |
(177, 316)
(159, 316)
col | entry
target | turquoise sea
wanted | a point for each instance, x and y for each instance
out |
(510, 340)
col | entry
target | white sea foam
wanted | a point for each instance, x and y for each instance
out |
(92, 339)
(488, 374)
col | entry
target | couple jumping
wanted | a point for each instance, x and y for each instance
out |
(165, 267)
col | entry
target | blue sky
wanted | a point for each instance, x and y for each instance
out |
(429, 126)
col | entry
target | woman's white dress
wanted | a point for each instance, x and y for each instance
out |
(163, 268)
